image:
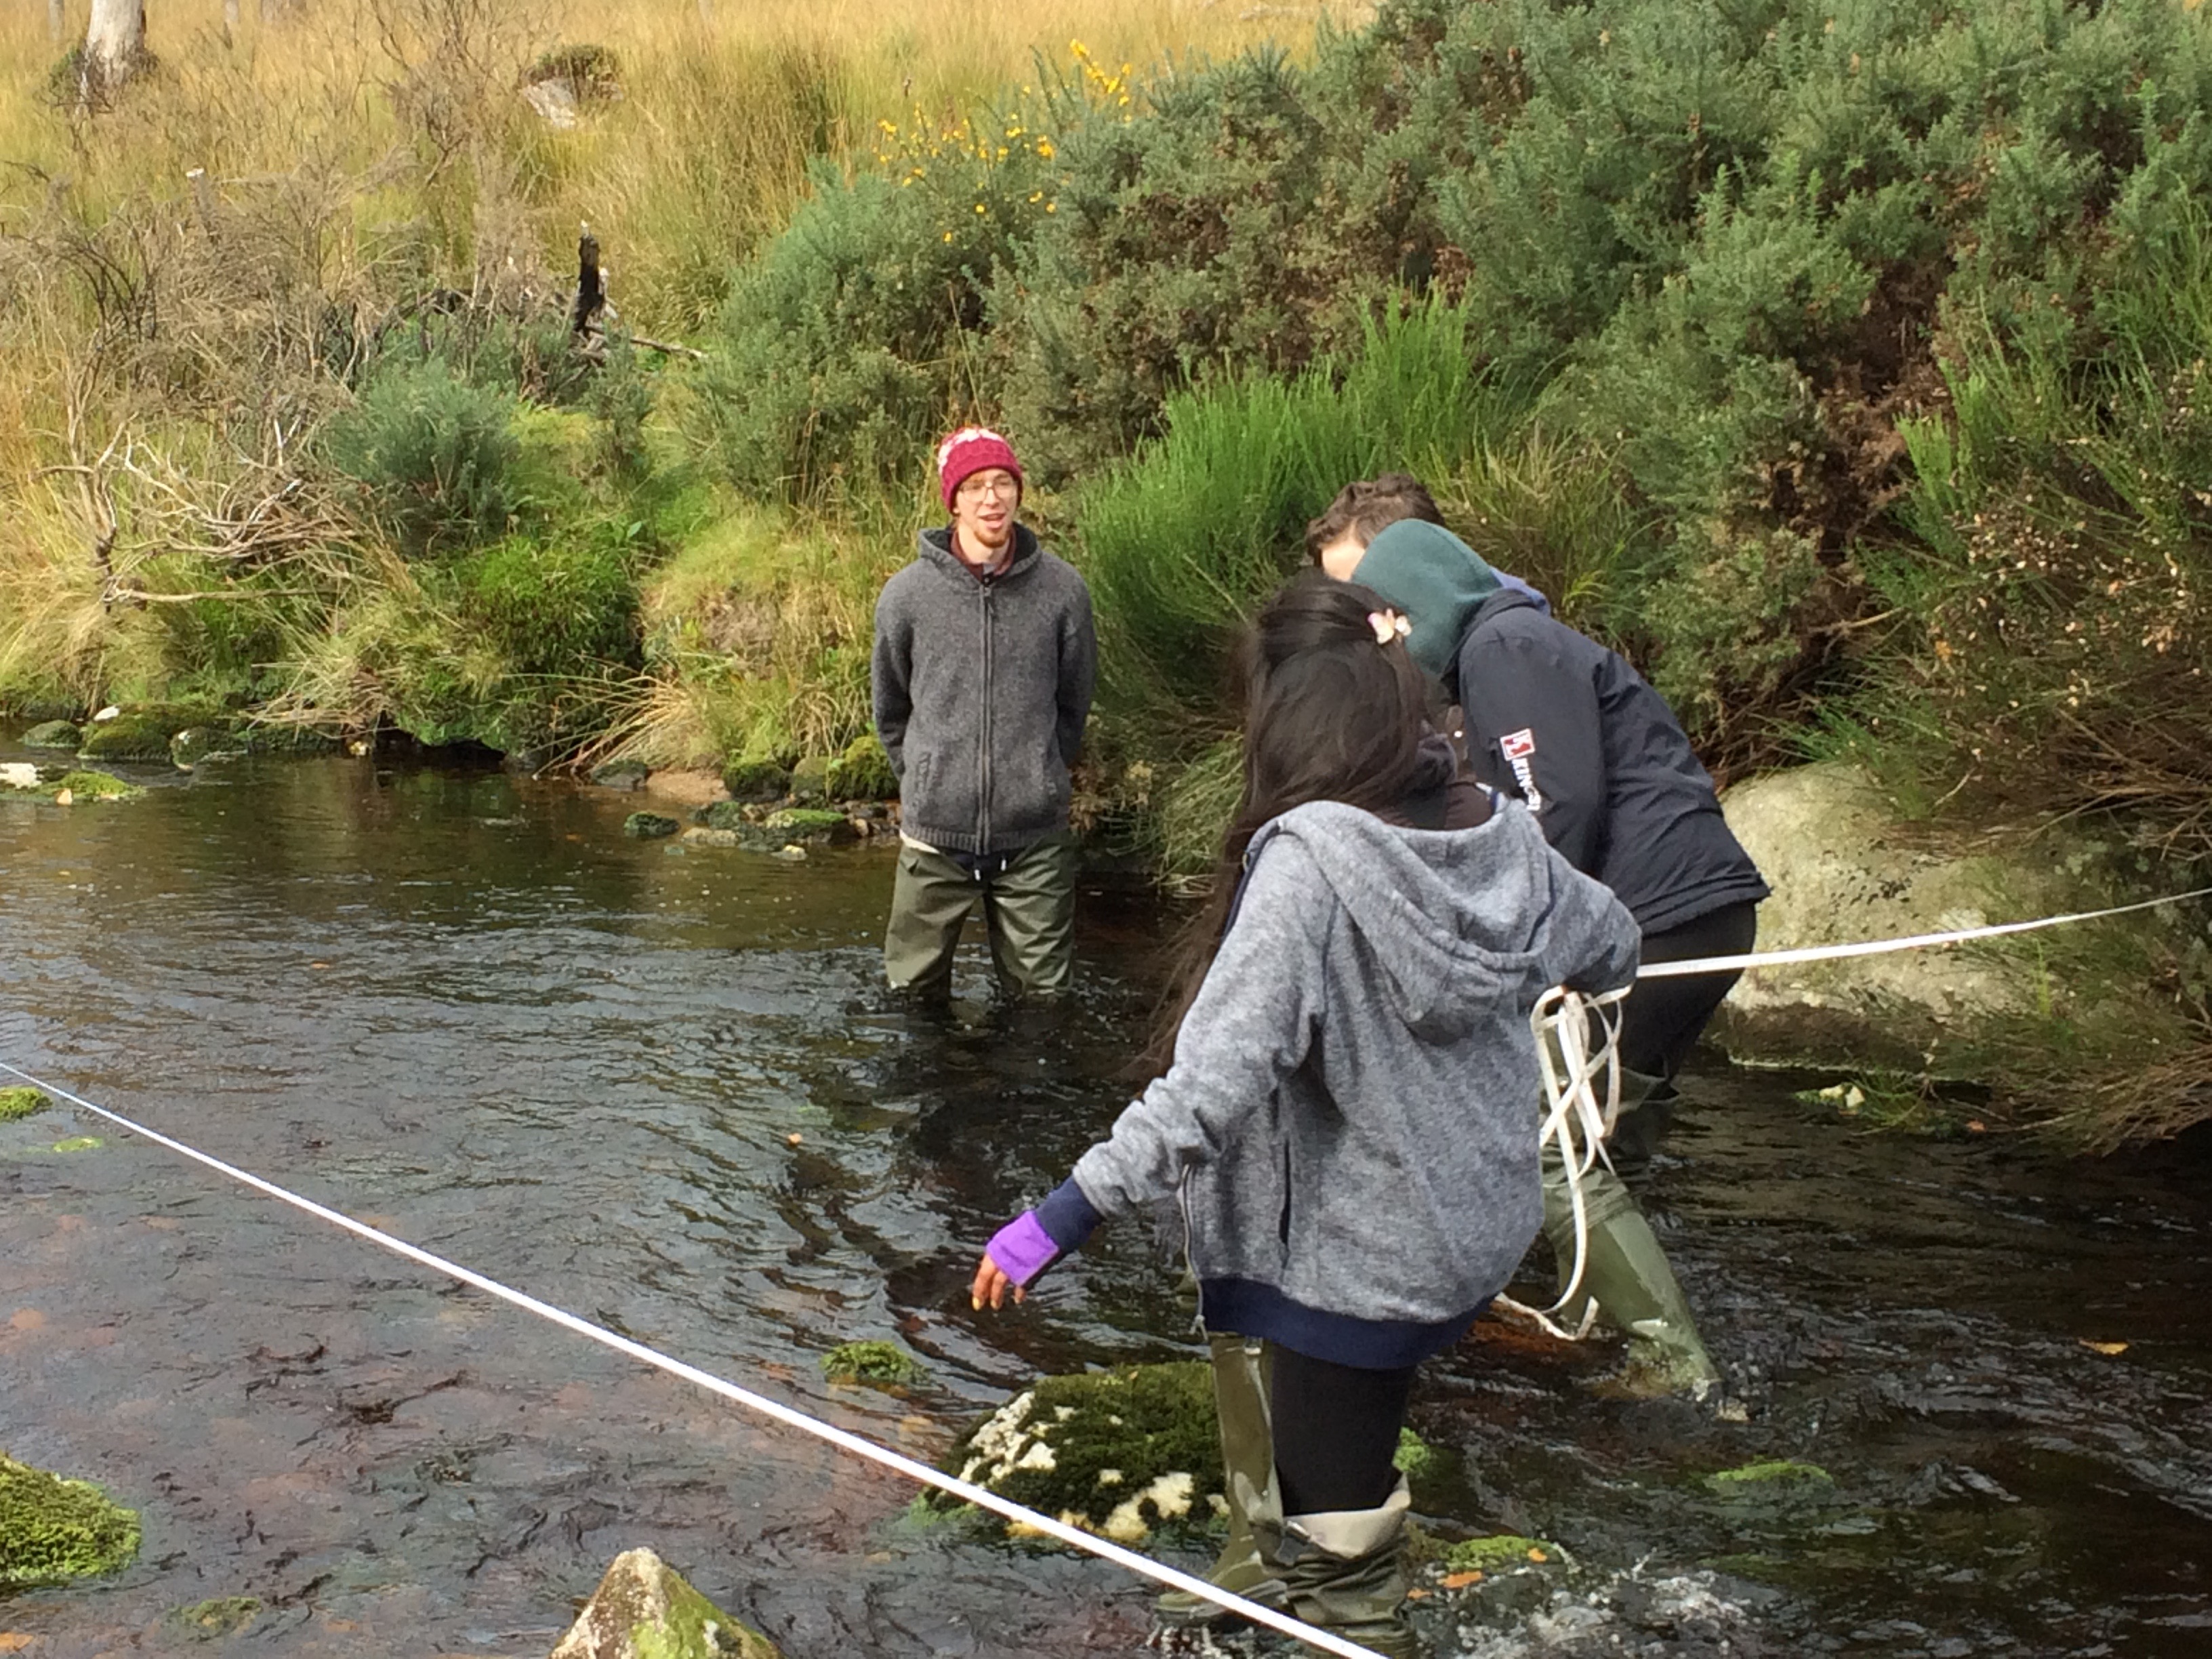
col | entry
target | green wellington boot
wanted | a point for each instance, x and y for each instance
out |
(1625, 1273)
(1241, 1394)
(1346, 1573)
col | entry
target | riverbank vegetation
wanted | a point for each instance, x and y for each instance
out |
(1844, 366)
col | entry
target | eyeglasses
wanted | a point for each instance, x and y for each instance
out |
(975, 489)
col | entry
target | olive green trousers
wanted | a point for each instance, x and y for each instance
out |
(1029, 911)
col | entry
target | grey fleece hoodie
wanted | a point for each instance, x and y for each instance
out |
(981, 687)
(1352, 1107)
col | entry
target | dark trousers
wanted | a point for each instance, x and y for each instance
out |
(1336, 1433)
(1662, 1018)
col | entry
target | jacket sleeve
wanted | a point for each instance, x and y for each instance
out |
(1078, 672)
(1596, 942)
(1532, 726)
(891, 670)
(1253, 1024)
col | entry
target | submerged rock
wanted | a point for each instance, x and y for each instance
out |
(807, 826)
(208, 1621)
(621, 775)
(650, 826)
(53, 1530)
(94, 785)
(196, 745)
(644, 1609)
(54, 734)
(1122, 1452)
(726, 815)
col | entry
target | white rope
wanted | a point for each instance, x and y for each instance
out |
(1577, 1119)
(1911, 942)
(980, 1496)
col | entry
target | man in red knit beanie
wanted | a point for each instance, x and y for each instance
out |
(984, 662)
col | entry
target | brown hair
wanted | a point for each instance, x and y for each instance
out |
(1329, 715)
(1366, 506)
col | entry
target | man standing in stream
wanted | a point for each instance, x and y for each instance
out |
(985, 658)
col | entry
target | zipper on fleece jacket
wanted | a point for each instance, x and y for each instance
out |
(983, 764)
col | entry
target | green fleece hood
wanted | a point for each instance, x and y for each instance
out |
(1437, 580)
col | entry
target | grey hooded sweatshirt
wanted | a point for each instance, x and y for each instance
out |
(982, 685)
(1351, 1115)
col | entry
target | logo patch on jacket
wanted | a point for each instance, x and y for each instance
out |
(1517, 747)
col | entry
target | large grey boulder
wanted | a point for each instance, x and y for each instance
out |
(1844, 866)
(644, 1609)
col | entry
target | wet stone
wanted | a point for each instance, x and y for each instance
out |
(53, 734)
(650, 826)
(645, 1610)
(621, 775)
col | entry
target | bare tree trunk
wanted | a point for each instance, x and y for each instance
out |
(114, 46)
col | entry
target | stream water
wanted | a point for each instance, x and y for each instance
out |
(661, 1087)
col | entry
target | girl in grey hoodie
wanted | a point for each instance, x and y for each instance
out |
(1346, 1119)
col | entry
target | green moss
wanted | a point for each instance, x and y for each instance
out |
(138, 734)
(1504, 1551)
(53, 734)
(876, 1363)
(96, 785)
(206, 1621)
(1776, 1472)
(863, 772)
(1414, 1458)
(726, 815)
(1123, 1452)
(20, 1102)
(756, 777)
(53, 1530)
(650, 826)
(810, 824)
(79, 1143)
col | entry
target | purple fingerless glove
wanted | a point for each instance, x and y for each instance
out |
(1024, 1250)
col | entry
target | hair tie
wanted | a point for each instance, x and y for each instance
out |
(1389, 626)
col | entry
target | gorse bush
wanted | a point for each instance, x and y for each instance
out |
(434, 455)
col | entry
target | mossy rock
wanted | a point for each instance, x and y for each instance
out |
(53, 1530)
(1124, 1453)
(810, 780)
(1776, 1474)
(863, 772)
(1415, 1458)
(810, 825)
(54, 734)
(208, 1621)
(726, 815)
(79, 1143)
(645, 1610)
(755, 778)
(95, 786)
(879, 1365)
(20, 1102)
(1504, 1552)
(621, 775)
(286, 740)
(650, 826)
(138, 734)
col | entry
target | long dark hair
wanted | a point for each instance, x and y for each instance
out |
(1329, 715)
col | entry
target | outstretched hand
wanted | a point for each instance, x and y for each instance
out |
(992, 1284)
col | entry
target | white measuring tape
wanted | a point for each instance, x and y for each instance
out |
(981, 1496)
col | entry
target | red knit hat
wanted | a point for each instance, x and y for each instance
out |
(972, 449)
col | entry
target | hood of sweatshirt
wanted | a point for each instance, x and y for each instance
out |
(935, 549)
(1452, 919)
(1437, 580)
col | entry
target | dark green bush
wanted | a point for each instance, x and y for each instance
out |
(552, 611)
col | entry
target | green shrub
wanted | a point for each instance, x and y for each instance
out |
(878, 1363)
(435, 457)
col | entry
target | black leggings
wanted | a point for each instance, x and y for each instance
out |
(1662, 1018)
(1336, 1433)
